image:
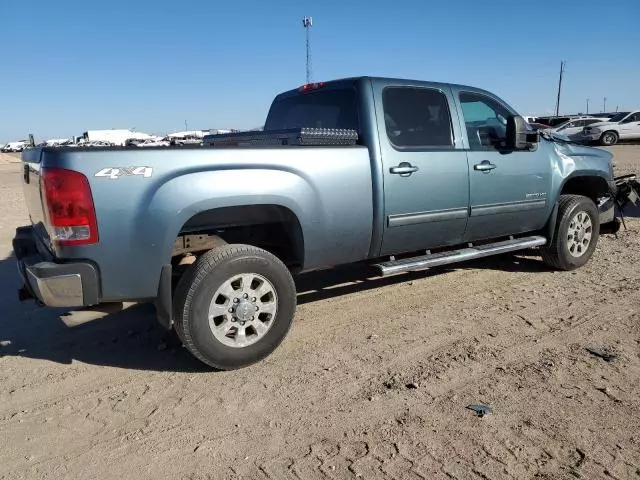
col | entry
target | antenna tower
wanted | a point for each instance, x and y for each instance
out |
(307, 23)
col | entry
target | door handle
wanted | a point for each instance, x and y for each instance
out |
(404, 169)
(484, 166)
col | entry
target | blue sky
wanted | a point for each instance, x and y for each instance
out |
(73, 65)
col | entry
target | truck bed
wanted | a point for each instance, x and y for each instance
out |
(144, 197)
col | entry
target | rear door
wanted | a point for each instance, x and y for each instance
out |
(509, 191)
(425, 170)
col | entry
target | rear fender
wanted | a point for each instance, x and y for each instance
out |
(192, 194)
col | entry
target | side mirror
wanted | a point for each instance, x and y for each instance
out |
(519, 135)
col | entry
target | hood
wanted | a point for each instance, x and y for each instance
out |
(595, 154)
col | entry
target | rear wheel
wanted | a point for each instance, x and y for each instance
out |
(609, 138)
(234, 306)
(576, 235)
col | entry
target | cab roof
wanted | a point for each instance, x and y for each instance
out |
(348, 82)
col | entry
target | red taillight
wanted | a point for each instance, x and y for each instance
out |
(311, 86)
(68, 207)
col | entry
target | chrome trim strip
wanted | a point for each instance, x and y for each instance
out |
(404, 219)
(511, 207)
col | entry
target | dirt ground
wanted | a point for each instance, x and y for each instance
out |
(373, 381)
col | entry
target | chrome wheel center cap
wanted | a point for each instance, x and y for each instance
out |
(244, 311)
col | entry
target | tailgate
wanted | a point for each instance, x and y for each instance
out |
(31, 159)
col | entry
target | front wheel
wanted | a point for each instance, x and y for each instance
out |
(576, 235)
(234, 306)
(609, 138)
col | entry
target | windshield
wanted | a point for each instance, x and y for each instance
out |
(333, 108)
(618, 116)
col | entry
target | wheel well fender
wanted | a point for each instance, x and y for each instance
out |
(273, 227)
(591, 186)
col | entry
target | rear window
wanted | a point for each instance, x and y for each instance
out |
(334, 108)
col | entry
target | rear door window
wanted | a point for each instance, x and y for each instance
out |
(417, 117)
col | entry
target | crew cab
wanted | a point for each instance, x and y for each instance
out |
(404, 174)
(622, 126)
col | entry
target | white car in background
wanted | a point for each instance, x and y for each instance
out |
(576, 125)
(622, 126)
(15, 146)
(154, 143)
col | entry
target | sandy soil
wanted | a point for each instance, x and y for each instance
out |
(373, 381)
(6, 158)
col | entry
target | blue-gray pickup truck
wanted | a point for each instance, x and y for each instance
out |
(403, 174)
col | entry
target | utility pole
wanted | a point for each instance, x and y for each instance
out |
(604, 105)
(587, 106)
(185, 126)
(559, 88)
(307, 23)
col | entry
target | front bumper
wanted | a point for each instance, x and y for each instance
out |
(54, 284)
(624, 191)
(607, 210)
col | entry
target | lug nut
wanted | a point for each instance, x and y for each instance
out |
(257, 308)
(242, 323)
(231, 310)
(252, 317)
(246, 295)
(253, 299)
(236, 300)
(233, 319)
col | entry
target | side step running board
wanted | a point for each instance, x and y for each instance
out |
(471, 253)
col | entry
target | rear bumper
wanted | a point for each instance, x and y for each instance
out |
(54, 284)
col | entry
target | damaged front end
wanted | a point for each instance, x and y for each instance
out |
(624, 194)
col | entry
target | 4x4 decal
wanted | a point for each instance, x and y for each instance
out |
(114, 173)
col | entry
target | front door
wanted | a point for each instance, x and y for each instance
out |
(425, 170)
(509, 191)
(630, 127)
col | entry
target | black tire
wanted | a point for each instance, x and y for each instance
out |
(557, 255)
(195, 292)
(609, 138)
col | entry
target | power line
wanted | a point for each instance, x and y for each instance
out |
(559, 88)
